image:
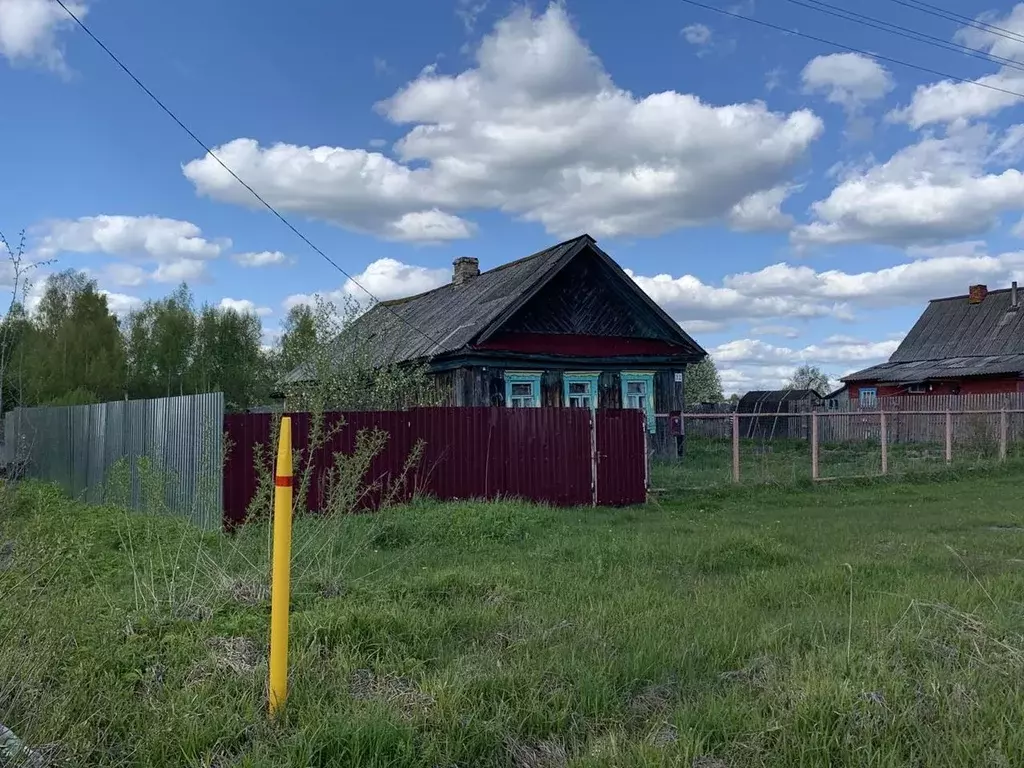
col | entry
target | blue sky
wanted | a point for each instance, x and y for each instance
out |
(785, 201)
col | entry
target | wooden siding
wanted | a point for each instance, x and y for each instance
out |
(586, 299)
(479, 386)
(575, 345)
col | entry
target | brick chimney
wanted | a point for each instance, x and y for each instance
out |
(977, 294)
(465, 269)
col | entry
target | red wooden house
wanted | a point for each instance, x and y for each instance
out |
(961, 345)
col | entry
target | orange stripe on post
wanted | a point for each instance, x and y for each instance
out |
(283, 481)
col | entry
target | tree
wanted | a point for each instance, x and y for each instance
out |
(298, 337)
(15, 322)
(346, 368)
(228, 357)
(810, 377)
(703, 384)
(75, 344)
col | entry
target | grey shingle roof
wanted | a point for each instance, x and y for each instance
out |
(452, 315)
(447, 319)
(954, 338)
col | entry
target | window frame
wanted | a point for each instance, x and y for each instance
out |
(867, 397)
(580, 377)
(647, 379)
(522, 377)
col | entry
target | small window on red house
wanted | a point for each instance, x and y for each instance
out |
(868, 397)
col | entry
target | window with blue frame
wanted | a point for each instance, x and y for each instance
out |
(522, 389)
(580, 390)
(868, 397)
(638, 393)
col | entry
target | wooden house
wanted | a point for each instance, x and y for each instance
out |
(961, 345)
(565, 327)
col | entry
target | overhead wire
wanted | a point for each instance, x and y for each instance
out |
(942, 13)
(905, 32)
(234, 175)
(852, 49)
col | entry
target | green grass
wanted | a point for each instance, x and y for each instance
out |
(708, 461)
(841, 625)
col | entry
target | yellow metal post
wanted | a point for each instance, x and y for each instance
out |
(281, 577)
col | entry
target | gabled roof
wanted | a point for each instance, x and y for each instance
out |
(954, 338)
(450, 318)
(765, 399)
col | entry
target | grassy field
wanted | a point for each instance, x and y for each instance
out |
(869, 625)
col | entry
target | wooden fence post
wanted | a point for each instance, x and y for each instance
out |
(949, 437)
(735, 448)
(883, 435)
(1002, 435)
(594, 458)
(814, 445)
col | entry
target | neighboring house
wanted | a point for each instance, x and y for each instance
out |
(962, 345)
(564, 327)
(838, 400)
(759, 412)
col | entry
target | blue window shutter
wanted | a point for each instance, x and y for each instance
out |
(648, 379)
(571, 378)
(522, 377)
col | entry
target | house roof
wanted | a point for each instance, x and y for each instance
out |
(768, 398)
(448, 319)
(954, 338)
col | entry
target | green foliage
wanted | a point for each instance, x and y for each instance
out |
(73, 344)
(702, 383)
(73, 350)
(344, 367)
(857, 625)
(299, 337)
(810, 377)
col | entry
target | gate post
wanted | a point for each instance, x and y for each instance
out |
(1002, 435)
(884, 439)
(949, 437)
(735, 448)
(814, 445)
(593, 458)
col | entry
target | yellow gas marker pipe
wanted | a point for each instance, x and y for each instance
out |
(281, 576)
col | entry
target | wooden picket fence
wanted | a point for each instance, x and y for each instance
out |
(911, 419)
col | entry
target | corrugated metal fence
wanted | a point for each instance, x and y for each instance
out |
(160, 455)
(559, 456)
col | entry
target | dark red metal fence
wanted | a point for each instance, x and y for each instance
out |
(547, 455)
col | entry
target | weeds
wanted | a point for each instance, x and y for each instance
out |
(851, 625)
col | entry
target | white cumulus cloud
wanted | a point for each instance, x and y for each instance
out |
(697, 34)
(947, 101)
(937, 189)
(148, 238)
(848, 79)
(244, 306)
(29, 30)
(538, 129)
(180, 271)
(260, 258)
(384, 279)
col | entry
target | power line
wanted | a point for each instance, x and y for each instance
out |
(851, 49)
(234, 175)
(942, 13)
(905, 32)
